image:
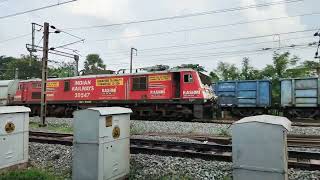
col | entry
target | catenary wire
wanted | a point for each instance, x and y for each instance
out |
(36, 9)
(214, 48)
(205, 27)
(224, 54)
(187, 15)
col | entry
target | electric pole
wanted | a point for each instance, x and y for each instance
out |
(76, 58)
(317, 53)
(132, 49)
(44, 74)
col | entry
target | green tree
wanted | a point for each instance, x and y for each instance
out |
(227, 71)
(196, 67)
(63, 70)
(248, 72)
(93, 65)
(312, 68)
(27, 68)
(214, 77)
(283, 66)
(4, 61)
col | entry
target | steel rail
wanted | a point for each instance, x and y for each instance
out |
(297, 159)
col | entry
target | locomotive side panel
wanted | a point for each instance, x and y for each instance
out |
(160, 86)
(191, 86)
(176, 94)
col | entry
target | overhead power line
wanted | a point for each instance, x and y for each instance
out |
(184, 53)
(208, 27)
(217, 42)
(188, 15)
(36, 9)
(227, 53)
(230, 40)
(16, 37)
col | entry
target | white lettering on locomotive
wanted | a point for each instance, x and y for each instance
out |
(109, 91)
(157, 92)
(82, 82)
(81, 95)
(190, 93)
(83, 88)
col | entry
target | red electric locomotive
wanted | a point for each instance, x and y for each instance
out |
(182, 93)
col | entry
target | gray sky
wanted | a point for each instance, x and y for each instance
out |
(204, 44)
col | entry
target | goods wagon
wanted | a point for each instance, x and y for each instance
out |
(163, 94)
(7, 91)
(244, 98)
(300, 97)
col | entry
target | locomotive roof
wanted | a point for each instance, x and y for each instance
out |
(112, 75)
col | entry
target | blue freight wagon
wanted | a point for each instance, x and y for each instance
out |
(300, 97)
(244, 98)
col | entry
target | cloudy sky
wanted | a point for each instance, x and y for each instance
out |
(204, 39)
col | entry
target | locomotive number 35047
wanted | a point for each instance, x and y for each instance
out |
(81, 95)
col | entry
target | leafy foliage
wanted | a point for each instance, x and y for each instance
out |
(214, 77)
(27, 68)
(226, 71)
(94, 65)
(283, 66)
(63, 70)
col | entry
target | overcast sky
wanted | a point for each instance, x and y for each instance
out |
(204, 44)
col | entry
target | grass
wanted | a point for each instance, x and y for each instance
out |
(61, 128)
(29, 174)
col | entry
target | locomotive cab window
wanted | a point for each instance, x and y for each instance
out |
(66, 85)
(139, 83)
(187, 78)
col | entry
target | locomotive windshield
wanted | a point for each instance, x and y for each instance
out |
(205, 79)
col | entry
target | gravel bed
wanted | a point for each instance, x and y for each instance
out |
(58, 158)
(305, 130)
(304, 149)
(53, 120)
(155, 167)
(166, 138)
(55, 158)
(141, 127)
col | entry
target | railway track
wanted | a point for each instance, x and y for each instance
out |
(304, 141)
(208, 151)
(300, 123)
